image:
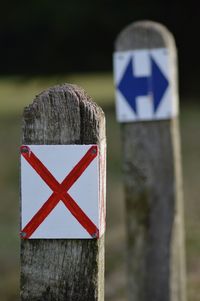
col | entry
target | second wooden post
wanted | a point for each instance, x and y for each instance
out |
(147, 107)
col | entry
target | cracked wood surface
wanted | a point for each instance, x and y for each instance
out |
(70, 270)
(153, 188)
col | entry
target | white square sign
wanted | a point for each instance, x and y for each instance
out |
(60, 192)
(145, 82)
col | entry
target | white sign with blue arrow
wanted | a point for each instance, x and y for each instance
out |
(144, 85)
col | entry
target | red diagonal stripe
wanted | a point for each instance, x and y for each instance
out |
(77, 171)
(39, 167)
(40, 216)
(58, 194)
(79, 214)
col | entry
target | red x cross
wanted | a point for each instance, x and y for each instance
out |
(59, 192)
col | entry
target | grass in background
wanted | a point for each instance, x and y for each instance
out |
(190, 130)
(15, 93)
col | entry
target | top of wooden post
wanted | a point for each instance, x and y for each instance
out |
(144, 35)
(63, 114)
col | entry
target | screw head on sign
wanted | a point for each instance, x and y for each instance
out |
(94, 151)
(24, 149)
(23, 234)
(94, 235)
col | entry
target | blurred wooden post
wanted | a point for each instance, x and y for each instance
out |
(153, 188)
(61, 269)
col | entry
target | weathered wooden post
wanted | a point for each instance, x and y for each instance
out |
(61, 125)
(147, 106)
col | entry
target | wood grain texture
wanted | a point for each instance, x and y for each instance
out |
(153, 188)
(70, 270)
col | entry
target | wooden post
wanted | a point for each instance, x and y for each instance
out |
(58, 269)
(153, 187)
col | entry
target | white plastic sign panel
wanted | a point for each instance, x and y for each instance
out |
(145, 83)
(60, 192)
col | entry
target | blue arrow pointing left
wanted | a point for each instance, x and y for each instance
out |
(131, 86)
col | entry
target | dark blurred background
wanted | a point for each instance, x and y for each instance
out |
(48, 36)
(47, 42)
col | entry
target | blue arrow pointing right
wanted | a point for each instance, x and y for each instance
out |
(159, 84)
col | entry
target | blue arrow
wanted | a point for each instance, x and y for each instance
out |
(131, 86)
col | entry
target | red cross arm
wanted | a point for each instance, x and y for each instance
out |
(79, 214)
(40, 216)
